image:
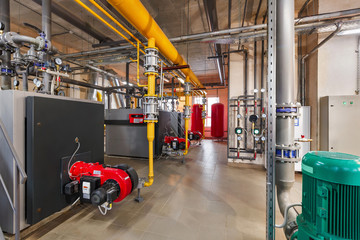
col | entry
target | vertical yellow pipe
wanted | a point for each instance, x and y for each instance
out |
(204, 109)
(187, 103)
(151, 124)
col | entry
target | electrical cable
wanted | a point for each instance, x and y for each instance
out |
(72, 156)
(105, 208)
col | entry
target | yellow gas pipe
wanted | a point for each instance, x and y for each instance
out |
(136, 14)
(204, 117)
(151, 123)
(187, 118)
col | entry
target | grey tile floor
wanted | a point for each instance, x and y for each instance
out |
(203, 199)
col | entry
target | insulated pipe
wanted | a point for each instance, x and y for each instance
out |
(46, 27)
(285, 81)
(136, 14)
(151, 123)
(6, 55)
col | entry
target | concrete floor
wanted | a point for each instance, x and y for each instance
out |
(203, 199)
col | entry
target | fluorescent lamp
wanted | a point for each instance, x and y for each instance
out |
(349, 32)
(181, 80)
(166, 80)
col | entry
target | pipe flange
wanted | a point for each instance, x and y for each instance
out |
(287, 154)
(288, 110)
(151, 61)
(151, 109)
(42, 43)
(187, 112)
(6, 71)
(187, 88)
(288, 115)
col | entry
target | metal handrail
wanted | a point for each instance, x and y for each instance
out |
(7, 193)
(14, 153)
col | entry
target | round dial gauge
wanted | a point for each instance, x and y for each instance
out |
(38, 84)
(58, 61)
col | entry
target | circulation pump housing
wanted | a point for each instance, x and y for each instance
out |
(331, 197)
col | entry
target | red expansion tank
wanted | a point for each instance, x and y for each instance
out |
(217, 120)
(196, 118)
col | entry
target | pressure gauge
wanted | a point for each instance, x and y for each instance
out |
(239, 138)
(256, 131)
(58, 61)
(16, 83)
(239, 116)
(256, 91)
(238, 130)
(38, 84)
(263, 115)
(263, 139)
(35, 80)
(256, 139)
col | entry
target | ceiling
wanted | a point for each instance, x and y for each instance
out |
(175, 17)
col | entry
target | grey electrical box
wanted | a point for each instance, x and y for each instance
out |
(339, 124)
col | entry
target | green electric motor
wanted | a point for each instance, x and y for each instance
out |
(331, 197)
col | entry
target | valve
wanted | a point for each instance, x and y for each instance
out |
(151, 61)
(187, 112)
(151, 110)
(187, 88)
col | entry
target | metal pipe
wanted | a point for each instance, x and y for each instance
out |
(211, 16)
(135, 12)
(6, 55)
(246, 58)
(127, 73)
(25, 75)
(285, 174)
(46, 27)
(357, 91)
(303, 73)
(220, 33)
(244, 30)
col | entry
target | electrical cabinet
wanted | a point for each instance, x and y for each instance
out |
(339, 124)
